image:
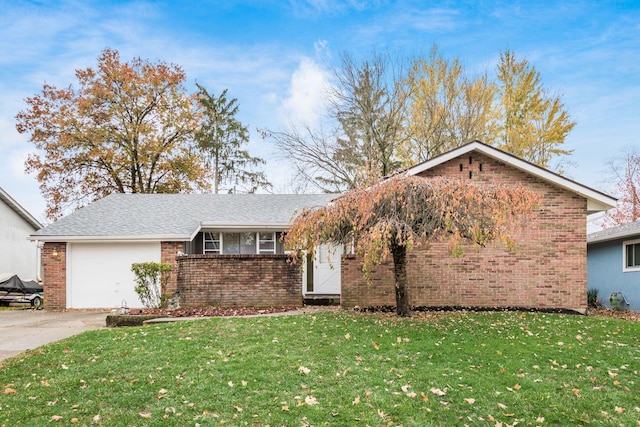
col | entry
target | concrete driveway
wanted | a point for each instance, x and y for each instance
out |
(21, 330)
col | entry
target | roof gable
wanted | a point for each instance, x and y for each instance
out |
(596, 200)
(19, 210)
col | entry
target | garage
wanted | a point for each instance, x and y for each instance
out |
(99, 274)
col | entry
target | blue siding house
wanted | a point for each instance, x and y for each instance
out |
(613, 264)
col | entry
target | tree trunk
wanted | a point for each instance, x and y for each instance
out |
(400, 273)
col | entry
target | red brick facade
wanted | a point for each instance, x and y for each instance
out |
(54, 264)
(547, 268)
(238, 281)
(168, 253)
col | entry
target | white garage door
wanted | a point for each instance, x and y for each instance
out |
(99, 274)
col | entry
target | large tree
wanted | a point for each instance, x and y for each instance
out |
(384, 115)
(370, 107)
(127, 127)
(534, 123)
(625, 170)
(389, 218)
(222, 137)
(366, 112)
(446, 108)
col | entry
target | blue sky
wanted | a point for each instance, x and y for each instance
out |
(274, 57)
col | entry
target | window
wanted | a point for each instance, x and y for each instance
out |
(211, 243)
(263, 242)
(631, 255)
(267, 243)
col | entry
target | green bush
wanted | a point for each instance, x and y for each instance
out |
(593, 300)
(151, 283)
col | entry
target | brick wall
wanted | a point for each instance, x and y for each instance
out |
(54, 265)
(238, 281)
(168, 253)
(547, 269)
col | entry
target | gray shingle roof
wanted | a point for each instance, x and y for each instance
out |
(177, 216)
(613, 233)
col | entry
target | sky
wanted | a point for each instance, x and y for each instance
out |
(275, 57)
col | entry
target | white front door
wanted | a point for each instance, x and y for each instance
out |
(325, 279)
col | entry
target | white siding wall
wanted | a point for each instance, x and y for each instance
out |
(99, 274)
(17, 254)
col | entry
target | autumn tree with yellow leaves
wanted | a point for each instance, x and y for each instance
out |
(127, 127)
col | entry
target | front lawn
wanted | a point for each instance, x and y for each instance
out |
(343, 368)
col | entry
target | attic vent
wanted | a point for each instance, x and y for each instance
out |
(480, 167)
(470, 174)
(460, 167)
(470, 159)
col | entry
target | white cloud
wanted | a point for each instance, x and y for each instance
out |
(307, 94)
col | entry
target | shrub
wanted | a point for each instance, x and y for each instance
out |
(593, 300)
(151, 283)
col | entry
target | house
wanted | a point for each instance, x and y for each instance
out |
(229, 246)
(226, 249)
(547, 269)
(613, 264)
(17, 254)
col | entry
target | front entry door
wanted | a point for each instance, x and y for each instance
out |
(325, 279)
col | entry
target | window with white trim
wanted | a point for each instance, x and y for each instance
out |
(631, 255)
(212, 243)
(267, 242)
(262, 242)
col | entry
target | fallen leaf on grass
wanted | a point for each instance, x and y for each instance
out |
(502, 406)
(356, 400)
(619, 409)
(437, 391)
(56, 418)
(304, 370)
(9, 390)
(145, 414)
(285, 408)
(470, 400)
(373, 343)
(310, 400)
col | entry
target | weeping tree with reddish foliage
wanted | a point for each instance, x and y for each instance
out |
(402, 212)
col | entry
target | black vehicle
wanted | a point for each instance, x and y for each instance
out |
(15, 290)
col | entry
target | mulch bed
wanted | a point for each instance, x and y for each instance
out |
(209, 311)
(633, 316)
(420, 312)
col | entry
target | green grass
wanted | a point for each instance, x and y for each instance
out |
(344, 369)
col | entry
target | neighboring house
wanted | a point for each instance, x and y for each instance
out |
(17, 254)
(613, 261)
(546, 270)
(232, 246)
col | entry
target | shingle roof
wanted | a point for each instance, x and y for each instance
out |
(613, 233)
(176, 216)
